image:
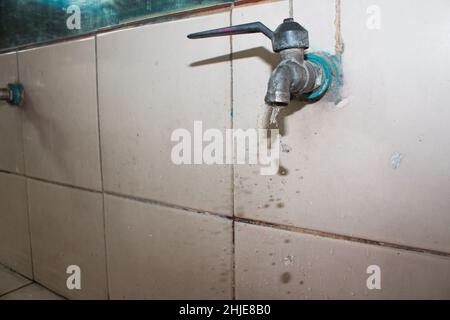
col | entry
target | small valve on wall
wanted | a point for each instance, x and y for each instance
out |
(13, 94)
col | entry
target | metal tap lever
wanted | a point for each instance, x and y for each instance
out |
(253, 27)
(288, 35)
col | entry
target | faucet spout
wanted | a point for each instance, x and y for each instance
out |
(292, 76)
(280, 83)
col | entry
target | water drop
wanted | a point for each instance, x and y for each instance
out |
(274, 115)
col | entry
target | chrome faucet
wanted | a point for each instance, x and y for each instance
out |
(297, 74)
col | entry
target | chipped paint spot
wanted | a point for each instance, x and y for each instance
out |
(341, 104)
(396, 160)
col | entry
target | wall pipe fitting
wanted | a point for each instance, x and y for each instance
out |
(298, 74)
(13, 94)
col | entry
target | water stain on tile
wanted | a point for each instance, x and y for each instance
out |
(285, 277)
(282, 171)
(285, 148)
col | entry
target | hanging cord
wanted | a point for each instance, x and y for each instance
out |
(291, 9)
(339, 45)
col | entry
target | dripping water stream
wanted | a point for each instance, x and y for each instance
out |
(274, 115)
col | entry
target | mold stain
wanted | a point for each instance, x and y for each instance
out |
(282, 171)
(285, 277)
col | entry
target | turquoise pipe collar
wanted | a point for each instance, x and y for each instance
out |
(16, 96)
(326, 75)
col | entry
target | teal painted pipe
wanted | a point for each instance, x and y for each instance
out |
(330, 72)
(13, 94)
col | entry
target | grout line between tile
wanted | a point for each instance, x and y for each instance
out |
(27, 196)
(323, 234)
(61, 184)
(51, 290)
(167, 205)
(13, 173)
(18, 273)
(233, 246)
(336, 236)
(4, 266)
(98, 116)
(15, 289)
(101, 168)
(27, 193)
(32, 281)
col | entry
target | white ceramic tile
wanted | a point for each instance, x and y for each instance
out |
(157, 252)
(11, 147)
(342, 173)
(67, 229)
(15, 249)
(60, 113)
(10, 281)
(153, 80)
(253, 62)
(277, 264)
(318, 18)
(31, 292)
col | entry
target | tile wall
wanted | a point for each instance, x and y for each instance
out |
(86, 177)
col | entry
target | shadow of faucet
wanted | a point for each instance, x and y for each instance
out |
(272, 59)
(263, 53)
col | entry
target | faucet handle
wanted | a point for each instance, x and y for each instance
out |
(288, 35)
(253, 27)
